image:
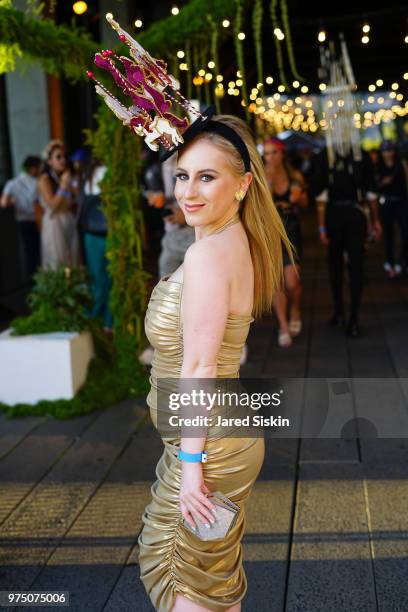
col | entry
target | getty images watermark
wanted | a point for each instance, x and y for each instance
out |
(210, 401)
(283, 408)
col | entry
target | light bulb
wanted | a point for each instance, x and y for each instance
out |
(80, 7)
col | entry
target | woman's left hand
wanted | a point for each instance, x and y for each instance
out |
(193, 501)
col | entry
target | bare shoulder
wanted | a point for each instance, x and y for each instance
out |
(205, 256)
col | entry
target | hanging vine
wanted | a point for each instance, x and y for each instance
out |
(288, 37)
(240, 55)
(189, 71)
(279, 58)
(119, 150)
(195, 69)
(214, 57)
(257, 15)
(203, 65)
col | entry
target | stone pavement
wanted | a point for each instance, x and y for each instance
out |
(327, 524)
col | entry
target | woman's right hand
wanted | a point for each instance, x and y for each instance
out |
(193, 501)
(65, 180)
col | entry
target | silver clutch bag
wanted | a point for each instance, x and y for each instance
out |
(225, 518)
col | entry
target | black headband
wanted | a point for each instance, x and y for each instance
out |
(205, 124)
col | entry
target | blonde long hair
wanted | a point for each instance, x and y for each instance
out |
(259, 217)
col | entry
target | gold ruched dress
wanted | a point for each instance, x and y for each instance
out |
(172, 559)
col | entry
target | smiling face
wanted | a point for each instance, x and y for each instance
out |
(58, 160)
(206, 184)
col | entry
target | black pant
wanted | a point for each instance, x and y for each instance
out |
(346, 230)
(31, 243)
(395, 212)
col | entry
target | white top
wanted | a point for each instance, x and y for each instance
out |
(92, 187)
(23, 189)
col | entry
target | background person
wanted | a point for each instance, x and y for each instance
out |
(393, 201)
(287, 187)
(342, 193)
(22, 193)
(93, 226)
(59, 238)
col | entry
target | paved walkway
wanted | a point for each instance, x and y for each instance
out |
(327, 523)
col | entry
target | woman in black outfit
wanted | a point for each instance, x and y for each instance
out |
(287, 186)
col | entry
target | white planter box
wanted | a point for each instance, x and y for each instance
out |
(43, 366)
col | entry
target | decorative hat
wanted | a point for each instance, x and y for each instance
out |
(152, 91)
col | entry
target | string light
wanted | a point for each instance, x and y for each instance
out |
(201, 73)
(279, 34)
(80, 8)
(406, 39)
(241, 35)
(269, 80)
(394, 86)
(225, 23)
(239, 82)
(379, 82)
(138, 23)
(405, 76)
(175, 10)
(239, 75)
(281, 88)
(211, 64)
(371, 88)
(219, 78)
(321, 37)
(304, 89)
(295, 84)
(365, 40)
(322, 86)
(366, 28)
(180, 54)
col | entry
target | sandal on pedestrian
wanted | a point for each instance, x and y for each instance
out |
(284, 339)
(295, 327)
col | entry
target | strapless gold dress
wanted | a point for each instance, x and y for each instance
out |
(172, 559)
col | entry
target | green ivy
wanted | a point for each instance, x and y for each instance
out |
(117, 148)
(60, 49)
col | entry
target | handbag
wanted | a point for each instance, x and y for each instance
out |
(91, 218)
(225, 518)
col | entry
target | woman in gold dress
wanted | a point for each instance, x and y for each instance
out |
(198, 320)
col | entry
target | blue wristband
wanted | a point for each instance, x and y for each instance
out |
(193, 457)
(65, 194)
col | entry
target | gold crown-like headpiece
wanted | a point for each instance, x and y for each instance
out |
(151, 89)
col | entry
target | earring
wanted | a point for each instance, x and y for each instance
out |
(240, 195)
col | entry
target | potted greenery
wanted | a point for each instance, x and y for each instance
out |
(45, 356)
